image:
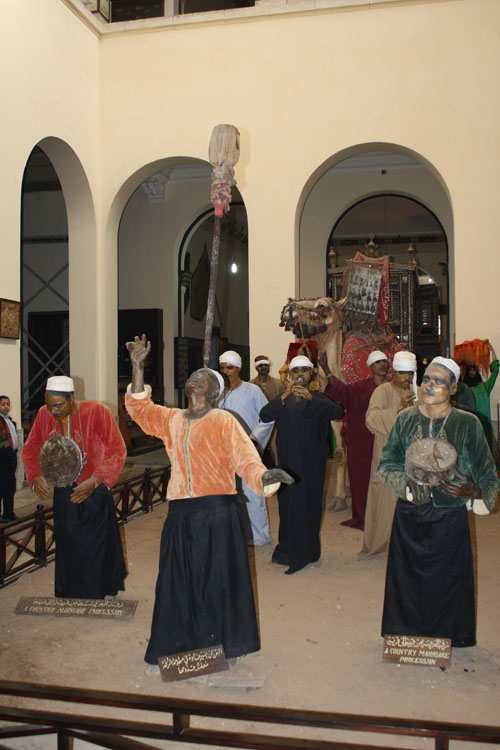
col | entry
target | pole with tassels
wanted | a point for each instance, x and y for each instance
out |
(223, 153)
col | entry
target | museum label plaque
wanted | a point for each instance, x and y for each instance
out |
(115, 609)
(192, 663)
(413, 649)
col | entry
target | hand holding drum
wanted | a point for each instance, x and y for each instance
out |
(60, 461)
(432, 463)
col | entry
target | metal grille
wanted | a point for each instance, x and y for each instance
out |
(45, 332)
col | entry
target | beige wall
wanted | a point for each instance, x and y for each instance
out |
(49, 88)
(304, 89)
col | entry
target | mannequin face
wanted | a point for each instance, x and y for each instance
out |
(301, 375)
(59, 406)
(403, 378)
(200, 385)
(379, 367)
(201, 389)
(437, 385)
(4, 406)
(230, 373)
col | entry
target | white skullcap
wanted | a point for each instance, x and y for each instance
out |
(375, 356)
(220, 380)
(450, 364)
(261, 360)
(300, 361)
(231, 358)
(404, 362)
(60, 383)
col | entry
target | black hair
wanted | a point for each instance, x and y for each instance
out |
(7, 397)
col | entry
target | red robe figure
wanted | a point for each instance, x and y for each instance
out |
(355, 398)
(89, 554)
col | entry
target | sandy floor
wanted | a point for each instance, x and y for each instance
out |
(320, 632)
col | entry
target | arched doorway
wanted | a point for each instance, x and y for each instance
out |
(164, 228)
(230, 328)
(412, 236)
(59, 273)
(44, 279)
(387, 191)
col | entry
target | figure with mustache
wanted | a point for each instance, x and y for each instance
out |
(386, 402)
(302, 417)
(429, 588)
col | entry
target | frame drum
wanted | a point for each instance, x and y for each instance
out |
(430, 460)
(60, 460)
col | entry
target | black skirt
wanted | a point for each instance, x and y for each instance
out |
(89, 553)
(300, 510)
(429, 588)
(204, 594)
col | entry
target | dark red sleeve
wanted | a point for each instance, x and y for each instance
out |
(338, 391)
(103, 441)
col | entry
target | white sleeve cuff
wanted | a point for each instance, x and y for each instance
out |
(409, 495)
(479, 507)
(270, 489)
(139, 396)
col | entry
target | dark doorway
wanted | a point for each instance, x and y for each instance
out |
(48, 352)
(44, 279)
(410, 234)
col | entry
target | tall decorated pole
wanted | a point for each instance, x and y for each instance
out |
(223, 153)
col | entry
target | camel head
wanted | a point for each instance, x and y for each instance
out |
(311, 317)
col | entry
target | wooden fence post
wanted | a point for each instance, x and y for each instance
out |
(147, 489)
(3, 556)
(40, 538)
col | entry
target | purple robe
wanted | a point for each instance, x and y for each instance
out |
(355, 397)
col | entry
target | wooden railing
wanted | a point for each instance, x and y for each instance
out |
(117, 733)
(28, 543)
(138, 494)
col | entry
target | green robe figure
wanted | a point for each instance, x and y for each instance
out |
(481, 390)
(429, 588)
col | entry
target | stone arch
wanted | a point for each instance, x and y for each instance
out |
(182, 185)
(353, 175)
(82, 259)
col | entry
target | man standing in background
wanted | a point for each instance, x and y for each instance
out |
(355, 398)
(386, 402)
(8, 461)
(244, 401)
(269, 386)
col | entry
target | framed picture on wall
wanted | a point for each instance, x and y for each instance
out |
(9, 319)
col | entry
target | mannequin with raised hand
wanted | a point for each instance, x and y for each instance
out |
(203, 530)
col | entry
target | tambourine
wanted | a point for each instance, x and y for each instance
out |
(61, 460)
(430, 460)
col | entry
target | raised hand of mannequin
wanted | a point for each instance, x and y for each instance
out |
(138, 350)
